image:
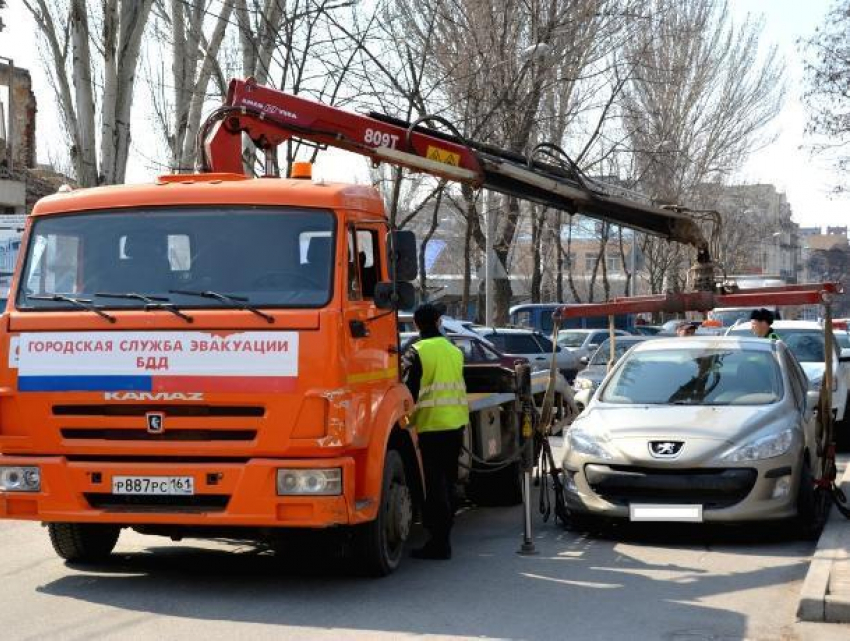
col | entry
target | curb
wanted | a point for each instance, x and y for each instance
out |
(825, 595)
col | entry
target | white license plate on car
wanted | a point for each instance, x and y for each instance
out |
(661, 512)
(153, 485)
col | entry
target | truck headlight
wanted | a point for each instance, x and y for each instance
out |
(14, 478)
(769, 446)
(588, 444)
(304, 482)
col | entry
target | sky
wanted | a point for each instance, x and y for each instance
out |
(806, 180)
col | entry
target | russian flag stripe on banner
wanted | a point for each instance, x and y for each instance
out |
(259, 361)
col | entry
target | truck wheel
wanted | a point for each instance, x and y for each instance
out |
(379, 544)
(83, 542)
(500, 488)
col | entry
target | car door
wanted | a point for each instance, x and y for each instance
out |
(521, 344)
(799, 386)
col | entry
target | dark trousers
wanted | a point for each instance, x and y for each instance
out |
(440, 452)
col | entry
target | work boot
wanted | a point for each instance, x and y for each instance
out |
(433, 552)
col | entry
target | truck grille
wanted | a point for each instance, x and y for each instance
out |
(124, 503)
(232, 411)
(108, 434)
(711, 488)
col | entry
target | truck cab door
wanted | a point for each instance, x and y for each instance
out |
(370, 335)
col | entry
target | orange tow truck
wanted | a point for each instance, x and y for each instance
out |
(216, 354)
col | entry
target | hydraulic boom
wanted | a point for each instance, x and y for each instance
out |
(270, 117)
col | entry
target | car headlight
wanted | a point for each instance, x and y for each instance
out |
(588, 444)
(301, 482)
(583, 383)
(768, 446)
(14, 478)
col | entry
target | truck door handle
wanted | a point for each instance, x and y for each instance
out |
(358, 329)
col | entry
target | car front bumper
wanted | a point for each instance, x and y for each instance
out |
(727, 493)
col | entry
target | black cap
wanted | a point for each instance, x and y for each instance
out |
(428, 315)
(762, 314)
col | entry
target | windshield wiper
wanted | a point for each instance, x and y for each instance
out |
(239, 302)
(151, 302)
(82, 303)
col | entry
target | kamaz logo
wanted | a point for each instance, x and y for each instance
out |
(153, 396)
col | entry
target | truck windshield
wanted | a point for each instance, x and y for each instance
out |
(263, 257)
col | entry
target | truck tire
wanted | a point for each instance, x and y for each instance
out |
(501, 488)
(379, 544)
(83, 542)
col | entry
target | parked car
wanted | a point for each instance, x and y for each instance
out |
(588, 380)
(583, 342)
(698, 429)
(534, 346)
(805, 340)
(476, 350)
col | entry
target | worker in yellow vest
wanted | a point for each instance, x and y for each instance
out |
(432, 368)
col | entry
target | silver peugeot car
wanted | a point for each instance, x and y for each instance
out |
(698, 429)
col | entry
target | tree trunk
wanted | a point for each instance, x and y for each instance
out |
(85, 158)
(536, 242)
(435, 219)
(570, 280)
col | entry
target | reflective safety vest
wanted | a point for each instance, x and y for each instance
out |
(442, 401)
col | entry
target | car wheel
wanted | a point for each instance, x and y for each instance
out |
(813, 505)
(83, 542)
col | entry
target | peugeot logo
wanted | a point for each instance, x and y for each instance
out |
(665, 449)
(155, 422)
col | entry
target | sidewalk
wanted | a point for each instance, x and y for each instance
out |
(826, 591)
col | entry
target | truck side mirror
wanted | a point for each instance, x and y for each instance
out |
(403, 262)
(395, 295)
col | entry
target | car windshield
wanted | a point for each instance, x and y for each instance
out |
(696, 376)
(806, 344)
(601, 355)
(571, 339)
(278, 257)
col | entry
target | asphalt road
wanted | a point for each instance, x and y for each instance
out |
(671, 583)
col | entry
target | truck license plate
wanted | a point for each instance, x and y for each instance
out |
(650, 512)
(153, 485)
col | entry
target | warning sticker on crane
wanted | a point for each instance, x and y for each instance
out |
(442, 155)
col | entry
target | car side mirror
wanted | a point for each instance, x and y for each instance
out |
(403, 262)
(394, 295)
(584, 360)
(812, 399)
(845, 355)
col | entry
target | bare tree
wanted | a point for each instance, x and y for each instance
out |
(827, 95)
(103, 85)
(195, 30)
(700, 100)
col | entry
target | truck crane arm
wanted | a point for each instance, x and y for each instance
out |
(270, 117)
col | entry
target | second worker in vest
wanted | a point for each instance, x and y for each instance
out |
(432, 369)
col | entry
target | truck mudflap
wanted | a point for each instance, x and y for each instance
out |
(198, 493)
